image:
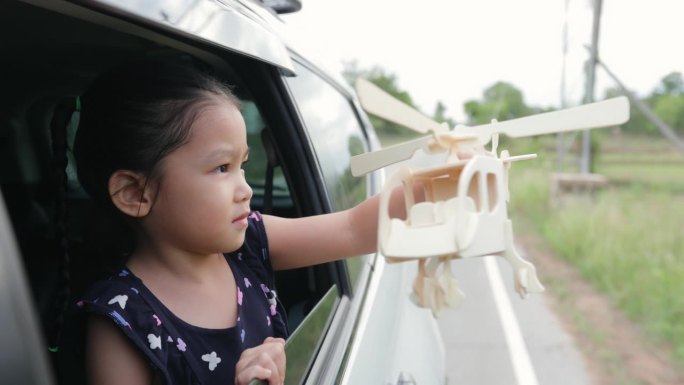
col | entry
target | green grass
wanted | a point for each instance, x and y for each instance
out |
(628, 239)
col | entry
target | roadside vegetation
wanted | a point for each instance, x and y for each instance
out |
(627, 238)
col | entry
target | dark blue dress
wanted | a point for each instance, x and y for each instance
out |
(185, 354)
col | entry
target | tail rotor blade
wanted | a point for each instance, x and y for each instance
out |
(605, 113)
(364, 163)
(379, 103)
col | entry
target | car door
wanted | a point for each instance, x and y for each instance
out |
(22, 358)
(335, 133)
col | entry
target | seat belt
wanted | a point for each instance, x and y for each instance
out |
(271, 163)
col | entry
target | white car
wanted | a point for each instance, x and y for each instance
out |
(351, 321)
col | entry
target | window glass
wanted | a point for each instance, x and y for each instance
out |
(255, 169)
(337, 135)
(303, 342)
(309, 334)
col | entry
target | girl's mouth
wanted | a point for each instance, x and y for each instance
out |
(242, 219)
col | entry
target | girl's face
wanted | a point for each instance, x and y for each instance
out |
(202, 201)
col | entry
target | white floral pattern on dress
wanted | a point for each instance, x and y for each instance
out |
(213, 359)
(121, 299)
(155, 341)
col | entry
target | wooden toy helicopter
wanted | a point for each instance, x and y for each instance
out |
(465, 211)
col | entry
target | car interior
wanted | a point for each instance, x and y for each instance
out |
(46, 64)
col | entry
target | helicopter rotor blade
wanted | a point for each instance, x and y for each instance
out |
(383, 105)
(610, 112)
(370, 161)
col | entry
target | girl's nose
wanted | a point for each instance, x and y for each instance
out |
(244, 191)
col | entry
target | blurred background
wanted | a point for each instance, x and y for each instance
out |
(606, 204)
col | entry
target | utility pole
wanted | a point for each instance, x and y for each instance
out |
(560, 146)
(585, 161)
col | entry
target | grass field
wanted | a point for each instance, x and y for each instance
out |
(626, 239)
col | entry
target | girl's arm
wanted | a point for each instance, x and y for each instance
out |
(111, 358)
(298, 242)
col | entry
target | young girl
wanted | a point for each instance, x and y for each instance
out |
(162, 147)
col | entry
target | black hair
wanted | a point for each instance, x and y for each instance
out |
(133, 116)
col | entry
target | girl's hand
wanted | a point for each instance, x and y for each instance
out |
(263, 362)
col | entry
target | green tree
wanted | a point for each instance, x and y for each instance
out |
(637, 122)
(670, 109)
(388, 82)
(501, 101)
(440, 115)
(672, 84)
(666, 101)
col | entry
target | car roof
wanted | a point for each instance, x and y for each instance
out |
(261, 34)
(212, 21)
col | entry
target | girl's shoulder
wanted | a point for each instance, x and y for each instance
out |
(125, 300)
(118, 298)
(254, 252)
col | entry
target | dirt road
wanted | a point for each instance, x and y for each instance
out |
(615, 350)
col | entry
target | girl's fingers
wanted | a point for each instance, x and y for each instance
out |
(255, 373)
(276, 348)
(274, 339)
(263, 362)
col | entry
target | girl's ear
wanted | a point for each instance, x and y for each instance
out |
(130, 193)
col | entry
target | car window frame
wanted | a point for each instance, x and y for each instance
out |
(305, 68)
(329, 357)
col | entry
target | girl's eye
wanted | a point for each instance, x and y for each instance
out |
(222, 168)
